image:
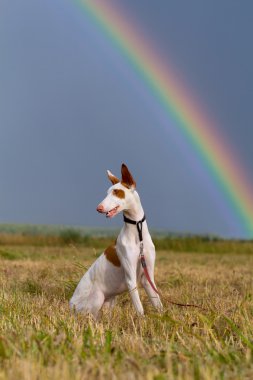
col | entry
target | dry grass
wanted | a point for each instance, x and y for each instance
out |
(41, 339)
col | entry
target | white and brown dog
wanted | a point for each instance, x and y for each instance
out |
(118, 269)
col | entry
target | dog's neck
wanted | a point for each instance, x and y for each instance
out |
(135, 212)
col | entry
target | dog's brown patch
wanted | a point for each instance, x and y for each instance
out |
(119, 193)
(111, 255)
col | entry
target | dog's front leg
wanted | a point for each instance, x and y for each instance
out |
(129, 263)
(150, 262)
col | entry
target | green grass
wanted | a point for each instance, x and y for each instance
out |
(98, 238)
(41, 339)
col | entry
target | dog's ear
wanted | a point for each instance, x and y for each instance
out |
(112, 178)
(127, 178)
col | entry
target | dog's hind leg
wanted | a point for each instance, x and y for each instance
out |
(109, 303)
(94, 303)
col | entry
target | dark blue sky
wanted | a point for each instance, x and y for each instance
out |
(72, 107)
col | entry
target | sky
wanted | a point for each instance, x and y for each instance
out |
(71, 107)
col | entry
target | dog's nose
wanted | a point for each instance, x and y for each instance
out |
(100, 208)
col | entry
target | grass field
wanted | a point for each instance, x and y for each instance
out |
(41, 339)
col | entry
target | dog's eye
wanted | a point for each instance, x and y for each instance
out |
(119, 193)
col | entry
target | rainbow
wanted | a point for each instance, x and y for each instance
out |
(203, 137)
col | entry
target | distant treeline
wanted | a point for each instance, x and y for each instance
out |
(40, 235)
(54, 230)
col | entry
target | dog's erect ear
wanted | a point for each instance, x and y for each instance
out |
(127, 179)
(112, 178)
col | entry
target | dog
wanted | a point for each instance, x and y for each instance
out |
(119, 268)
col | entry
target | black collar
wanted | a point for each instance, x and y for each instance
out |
(138, 225)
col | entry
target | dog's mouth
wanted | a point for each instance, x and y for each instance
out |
(112, 212)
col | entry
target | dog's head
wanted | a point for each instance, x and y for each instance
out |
(120, 196)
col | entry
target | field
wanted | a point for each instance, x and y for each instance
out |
(41, 339)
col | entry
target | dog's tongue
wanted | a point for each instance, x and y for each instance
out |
(111, 213)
